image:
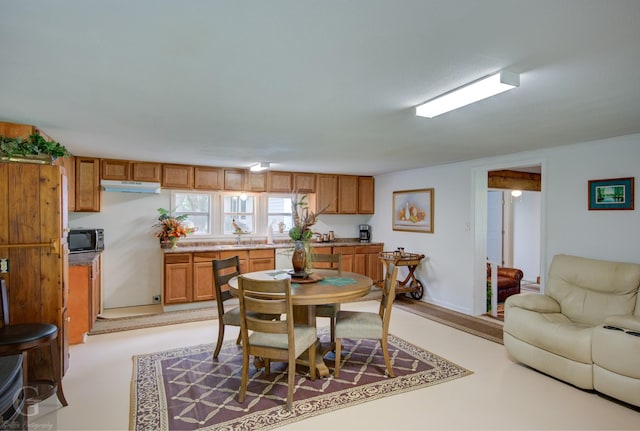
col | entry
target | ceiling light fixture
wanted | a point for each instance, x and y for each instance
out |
(259, 167)
(467, 94)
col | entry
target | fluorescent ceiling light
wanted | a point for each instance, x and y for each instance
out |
(259, 167)
(467, 94)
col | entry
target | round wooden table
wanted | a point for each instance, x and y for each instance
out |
(331, 288)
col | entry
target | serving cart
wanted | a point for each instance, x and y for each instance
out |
(410, 285)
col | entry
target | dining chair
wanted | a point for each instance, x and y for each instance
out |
(362, 324)
(328, 261)
(223, 271)
(278, 340)
(21, 338)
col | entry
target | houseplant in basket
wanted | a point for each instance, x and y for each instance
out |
(169, 228)
(33, 149)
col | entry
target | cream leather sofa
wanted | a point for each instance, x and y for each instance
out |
(585, 328)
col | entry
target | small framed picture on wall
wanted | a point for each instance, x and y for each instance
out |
(611, 194)
(413, 210)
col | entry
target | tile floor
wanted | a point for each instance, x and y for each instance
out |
(499, 395)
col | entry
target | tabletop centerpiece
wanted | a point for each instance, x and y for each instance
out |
(169, 228)
(301, 233)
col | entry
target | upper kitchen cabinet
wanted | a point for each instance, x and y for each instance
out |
(327, 193)
(177, 176)
(304, 182)
(366, 193)
(87, 184)
(279, 182)
(146, 171)
(257, 182)
(117, 170)
(234, 179)
(206, 178)
(347, 194)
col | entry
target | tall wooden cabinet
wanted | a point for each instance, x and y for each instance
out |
(33, 229)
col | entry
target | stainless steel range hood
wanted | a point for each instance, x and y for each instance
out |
(130, 186)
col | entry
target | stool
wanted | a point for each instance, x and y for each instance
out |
(12, 414)
(21, 338)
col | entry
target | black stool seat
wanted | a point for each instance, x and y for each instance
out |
(26, 334)
(11, 394)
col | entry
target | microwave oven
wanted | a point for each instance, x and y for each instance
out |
(85, 240)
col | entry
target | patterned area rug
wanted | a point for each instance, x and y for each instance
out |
(185, 389)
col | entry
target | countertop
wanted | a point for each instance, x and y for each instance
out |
(83, 259)
(202, 247)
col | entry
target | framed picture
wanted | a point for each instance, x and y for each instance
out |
(413, 210)
(611, 194)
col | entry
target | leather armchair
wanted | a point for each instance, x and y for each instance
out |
(585, 328)
(508, 281)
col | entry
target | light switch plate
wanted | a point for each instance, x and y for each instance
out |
(4, 266)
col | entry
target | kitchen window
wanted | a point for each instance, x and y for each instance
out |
(279, 214)
(238, 211)
(197, 206)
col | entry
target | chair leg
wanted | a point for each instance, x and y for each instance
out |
(333, 330)
(220, 338)
(291, 371)
(384, 343)
(57, 371)
(245, 376)
(336, 369)
(239, 339)
(312, 361)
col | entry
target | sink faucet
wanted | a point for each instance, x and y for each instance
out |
(238, 239)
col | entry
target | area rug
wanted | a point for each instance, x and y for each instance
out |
(490, 329)
(185, 389)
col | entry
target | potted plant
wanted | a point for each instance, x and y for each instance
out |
(301, 233)
(169, 228)
(34, 148)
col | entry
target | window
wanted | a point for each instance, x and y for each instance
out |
(238, 210)
(198, 208)
(279, 213)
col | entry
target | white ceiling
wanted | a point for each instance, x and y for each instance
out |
(319, 86)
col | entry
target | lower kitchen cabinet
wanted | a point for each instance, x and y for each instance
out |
(178, 276)
(84, 294)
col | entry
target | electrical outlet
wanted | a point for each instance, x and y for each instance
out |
(156, 299)
(4, 266)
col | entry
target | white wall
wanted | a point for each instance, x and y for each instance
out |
(453, 274)
(132, 261)
(526, 234)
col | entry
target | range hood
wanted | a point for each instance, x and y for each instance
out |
(130, 186)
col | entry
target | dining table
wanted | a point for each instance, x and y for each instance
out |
(322, 286)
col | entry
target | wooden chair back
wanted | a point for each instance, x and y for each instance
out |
(223, 271)
(326, 261)
(388, 296)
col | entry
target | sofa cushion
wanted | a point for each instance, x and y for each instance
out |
(589, 290)
(616, 351)
(552, 332)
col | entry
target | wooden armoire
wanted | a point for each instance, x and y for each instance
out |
(34, 252)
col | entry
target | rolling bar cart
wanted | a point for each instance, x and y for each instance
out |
(410, 284)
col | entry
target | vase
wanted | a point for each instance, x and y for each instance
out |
(299, 259)
(170, 243)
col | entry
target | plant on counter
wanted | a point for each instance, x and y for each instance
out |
(35, 144)
(170, 228)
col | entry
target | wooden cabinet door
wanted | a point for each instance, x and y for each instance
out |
(178, 282)
(279, 182)
(87, 184)
(347, 253)
(304, 182)
(177, 177)
(347, 194)
(366, 195)
(118, 170)
(69, 166)
(206, 178)
(257, 182)
(79, 300)
(234, 179)
(261, 259)
(327, 193)
(146, 171)
(203, 288)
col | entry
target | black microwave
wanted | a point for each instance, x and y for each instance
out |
(85, 240)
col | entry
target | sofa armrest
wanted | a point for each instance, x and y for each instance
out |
(534, 302)
(629, 322)
(514, 273)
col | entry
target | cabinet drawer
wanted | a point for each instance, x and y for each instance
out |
(177, 258)
(261, 254)
(344, 250)
(205, 256)
(368, 249)
(242, 254)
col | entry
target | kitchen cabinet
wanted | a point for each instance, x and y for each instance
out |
(87, 184)
(177, 176)
(234, 179)
(126, 170)
(262, 259)
(33, 229)
(327, 193)
(279, 182)
(203, 289)
(68, 165)
(347, 194)
(257, 182)
(366, 195)
(347, 253)
(117, 170)
(84, 294)
(146, 171)
(206, 178)
(367, 261)
(243, 257)
(304, 182)
(178, 269)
